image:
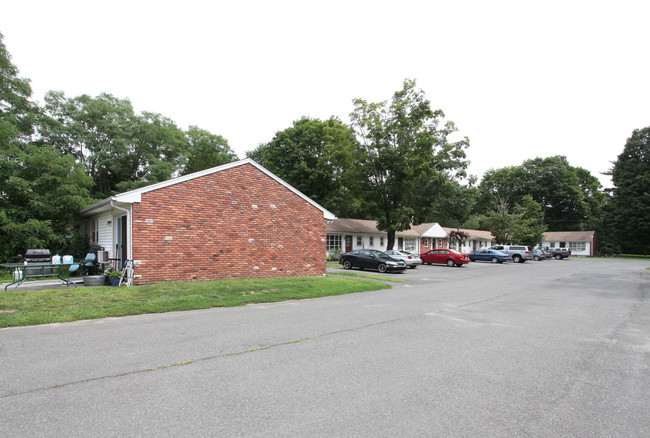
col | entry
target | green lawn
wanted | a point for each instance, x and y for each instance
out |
(20, 308)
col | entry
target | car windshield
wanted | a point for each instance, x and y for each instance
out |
(381, 255)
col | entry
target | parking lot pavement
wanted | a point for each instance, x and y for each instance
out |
(555, 348)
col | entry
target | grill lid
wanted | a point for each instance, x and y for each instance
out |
(37, 255)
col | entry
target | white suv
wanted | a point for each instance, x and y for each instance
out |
(519, 253)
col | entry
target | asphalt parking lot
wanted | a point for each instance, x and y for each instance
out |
(553, 348)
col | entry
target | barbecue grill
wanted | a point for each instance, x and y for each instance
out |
(33, 256)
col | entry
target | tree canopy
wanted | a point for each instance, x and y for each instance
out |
(629, 215)
(570, 197)
(404, 155)
(317, 158)
(41, 190)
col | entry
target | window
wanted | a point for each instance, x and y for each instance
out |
(381, 242)
(409, 244)
(94, 231)
(333, 242)
(439, 243)
(426, 242)
(552, 244)
(359, 241)
(371, 241)
(577, 246)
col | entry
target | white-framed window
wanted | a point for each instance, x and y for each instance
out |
(359, 241)
(577, 246)
(381, 242)
(333, 242)
(439, 243)
(426, 242)
(552, 244)
(94, 231)
(371, 241)
(409, 244)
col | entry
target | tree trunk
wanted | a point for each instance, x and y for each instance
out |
(390, 243)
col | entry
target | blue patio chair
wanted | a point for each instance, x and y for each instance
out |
(86, 264)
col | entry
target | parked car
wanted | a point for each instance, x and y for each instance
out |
(538, 255)
(371, 259)
(412, 260)
(519, 253)
(489, 255)
(560, 253)
(447, 257)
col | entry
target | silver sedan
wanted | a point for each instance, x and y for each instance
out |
(412, 260)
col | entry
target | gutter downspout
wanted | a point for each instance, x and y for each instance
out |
(129, 229)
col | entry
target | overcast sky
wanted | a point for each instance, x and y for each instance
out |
(520, 79)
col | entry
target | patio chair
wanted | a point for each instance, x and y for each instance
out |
(87, 264)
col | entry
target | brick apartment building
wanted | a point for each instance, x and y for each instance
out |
(233, 221)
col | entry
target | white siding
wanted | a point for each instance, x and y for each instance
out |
(105, 231)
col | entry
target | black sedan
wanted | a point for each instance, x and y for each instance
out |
(489, 255)
(371, 259)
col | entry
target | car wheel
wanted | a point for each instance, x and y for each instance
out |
(413, 266)
(495, 260)
(347, 264)
(558, 257)
(450, 263)
(537, 259)
(516, 258)
(381, 268)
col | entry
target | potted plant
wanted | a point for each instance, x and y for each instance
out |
(114, 276)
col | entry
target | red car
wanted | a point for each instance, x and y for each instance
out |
(449, 257)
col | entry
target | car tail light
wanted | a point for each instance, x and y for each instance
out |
(410, 257)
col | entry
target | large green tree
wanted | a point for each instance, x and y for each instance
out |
(453, 208)
(121, 150)
(206, 150)
(514, 224)
(40, 189)
(405, 156)
(316, 157)
(630, 212)
(570, 197)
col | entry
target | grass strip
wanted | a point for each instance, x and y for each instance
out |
(369, 276)
(21, 308)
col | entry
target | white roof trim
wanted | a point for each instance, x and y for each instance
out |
(133, 196)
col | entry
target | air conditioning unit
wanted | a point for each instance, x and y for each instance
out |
(102, 257)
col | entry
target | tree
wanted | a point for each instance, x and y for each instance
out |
(97, 132)
(41, 200)
(570, 197)
(40, 190)
(630, 215)
(121, 150)
(528, 227)
(520, 223)
(17, 112)
(317, 158)
(206, 150)
(499, 221)
(455, 204)
(404, 155)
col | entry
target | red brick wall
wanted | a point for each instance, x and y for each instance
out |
(236, 223)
